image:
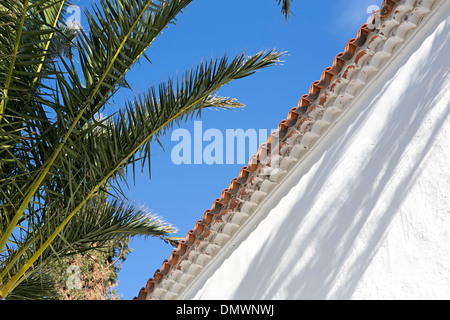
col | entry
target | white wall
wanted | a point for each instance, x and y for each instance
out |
(370, 217)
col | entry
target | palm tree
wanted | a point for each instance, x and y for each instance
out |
(57, 153)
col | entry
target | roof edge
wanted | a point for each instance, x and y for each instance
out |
(298, 170)
(307, 105)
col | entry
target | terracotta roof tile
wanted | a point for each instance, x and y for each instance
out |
(295, 135)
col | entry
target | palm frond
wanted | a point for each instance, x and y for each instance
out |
(135, 26)
(285, 7)
(17, 6)
(34, 287)
(150, 115)
(100, 222)
(97, 223)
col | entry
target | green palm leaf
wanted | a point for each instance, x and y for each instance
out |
(57, 156)
(285, 7)
(97, 223)
(133, 16)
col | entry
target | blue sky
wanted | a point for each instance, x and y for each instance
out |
(315, 33)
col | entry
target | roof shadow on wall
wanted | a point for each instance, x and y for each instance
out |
(275, 271)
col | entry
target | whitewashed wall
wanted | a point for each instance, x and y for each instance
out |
(369, 216)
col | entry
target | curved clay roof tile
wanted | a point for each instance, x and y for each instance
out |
(350, 50)
(325, 79)
(225, 196)
(252, 164)
(216, 206)
(292, 117)
(243, 175)
(388, 5)
(199, 227)
(174, 257)
(282, 127)
(182, 247)
(208, 217)
(234, 186)
(314, 90)
(190, 238)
